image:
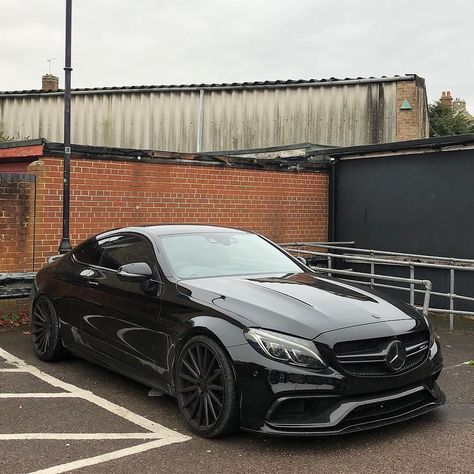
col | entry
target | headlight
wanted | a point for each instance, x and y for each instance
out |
(431, 330)
(430, 327)
(286, 349)
(432, 337)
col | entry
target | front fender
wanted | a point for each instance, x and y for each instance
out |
(225, 332)
(228, 333)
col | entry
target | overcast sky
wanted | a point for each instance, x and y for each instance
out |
(134, 42)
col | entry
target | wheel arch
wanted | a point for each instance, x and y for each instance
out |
(221, 331)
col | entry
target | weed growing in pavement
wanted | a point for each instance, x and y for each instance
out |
(12, 320)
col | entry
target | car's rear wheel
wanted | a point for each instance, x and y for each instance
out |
(206, 389)
(45, 330)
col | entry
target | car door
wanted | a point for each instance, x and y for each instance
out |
(123, 318)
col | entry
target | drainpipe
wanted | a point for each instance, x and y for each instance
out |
(332, 201)
(200, 123)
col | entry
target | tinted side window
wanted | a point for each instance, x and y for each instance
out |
(90, 254)
(124, 249)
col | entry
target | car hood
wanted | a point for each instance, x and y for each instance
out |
(301, 304)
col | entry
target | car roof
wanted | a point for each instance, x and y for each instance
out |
(172, 229)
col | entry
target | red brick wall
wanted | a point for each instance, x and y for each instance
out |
(16, 223)
(105, 194)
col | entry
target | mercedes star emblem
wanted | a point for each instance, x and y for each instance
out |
(396, 355)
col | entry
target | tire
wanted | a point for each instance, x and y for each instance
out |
(45, 331)
(206, 389)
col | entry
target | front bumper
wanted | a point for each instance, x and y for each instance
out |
(341, 416)
(278, 399)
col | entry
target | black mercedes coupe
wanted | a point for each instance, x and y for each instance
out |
(239, 331)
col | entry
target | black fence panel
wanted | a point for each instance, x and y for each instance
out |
(420, 203)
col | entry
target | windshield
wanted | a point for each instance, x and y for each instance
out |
(224, 253)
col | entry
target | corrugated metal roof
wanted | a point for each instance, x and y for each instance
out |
(226, 85)
(222, 117)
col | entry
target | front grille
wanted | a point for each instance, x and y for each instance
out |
(388, 408)
(368, 357)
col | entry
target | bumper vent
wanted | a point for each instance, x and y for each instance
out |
(368, 357)
(302, 410)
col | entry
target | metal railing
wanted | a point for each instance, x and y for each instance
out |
(381, 257)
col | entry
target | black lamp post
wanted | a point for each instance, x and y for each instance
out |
(65, 245)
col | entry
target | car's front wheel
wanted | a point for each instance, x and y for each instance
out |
(206, 389)
(45, 330)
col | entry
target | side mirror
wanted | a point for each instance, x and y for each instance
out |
(140, 271)
(302, 260)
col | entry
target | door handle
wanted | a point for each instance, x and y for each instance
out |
(87, 273)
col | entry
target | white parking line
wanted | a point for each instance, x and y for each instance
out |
(68, 436)
(103, 457)
(155, 430)
(39, 395)
(89, 396)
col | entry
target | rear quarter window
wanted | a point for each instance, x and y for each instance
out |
(89, 254)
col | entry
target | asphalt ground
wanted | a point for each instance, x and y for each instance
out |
(441, 441)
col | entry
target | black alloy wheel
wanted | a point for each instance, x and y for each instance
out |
(206, 388)
(45, 331)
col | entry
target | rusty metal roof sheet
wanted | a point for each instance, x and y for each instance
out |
(255, 158)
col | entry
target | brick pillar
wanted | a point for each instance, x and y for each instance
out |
(412, 110)
(48, 221)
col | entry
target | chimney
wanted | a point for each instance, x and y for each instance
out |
(446, 100)
(50, 83)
